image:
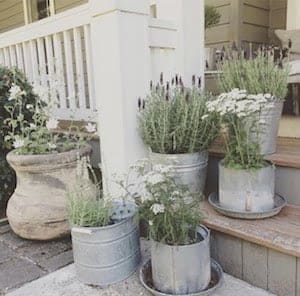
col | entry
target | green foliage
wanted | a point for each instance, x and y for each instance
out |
(170, 209)
(212, 16)
(86, 205)
(170, 120)
(8, 77)
(260, 75)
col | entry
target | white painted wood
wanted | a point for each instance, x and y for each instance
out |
(27, 60)
(122, 73)
(26, 12)
(50, 67)
(79, 67)
(20, 61)
(12, 53)
(1, 57)
(41, 62)
(7, 57)
(89, 66)
(69, 70)
(34, 61)
(59, 68)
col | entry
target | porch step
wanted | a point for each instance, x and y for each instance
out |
(265, 253)
(64, 282)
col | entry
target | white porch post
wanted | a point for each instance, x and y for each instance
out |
(189, 16)
(120, 50)
(293, 15)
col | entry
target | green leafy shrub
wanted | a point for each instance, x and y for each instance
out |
(171, 119)
(9, 78)
(260, 75)
(212, 16)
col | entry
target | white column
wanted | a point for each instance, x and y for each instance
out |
(189, 16)
(120, 51)
(293, 15)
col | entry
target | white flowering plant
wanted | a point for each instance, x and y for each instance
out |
(171, 211)
(40, 134)
(239, 113)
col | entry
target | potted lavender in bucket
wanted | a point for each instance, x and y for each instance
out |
(172, 124)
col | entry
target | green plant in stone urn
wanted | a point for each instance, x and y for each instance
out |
(44, 162)
(172, 125)
(262, 74)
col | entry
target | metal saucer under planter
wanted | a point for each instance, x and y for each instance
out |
(215, 282)
(279, 203)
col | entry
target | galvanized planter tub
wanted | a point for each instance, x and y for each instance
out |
(106, 255)
(187, 168)
(182, 269)
(270, 116)
(247, 190)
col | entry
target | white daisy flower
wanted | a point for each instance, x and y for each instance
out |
(91, 128)
(52, 123)
(18, 143)
(157, 208)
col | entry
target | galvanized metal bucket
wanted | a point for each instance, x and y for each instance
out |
(269, 119)
(106, 255)
(247, 190)
(188, 168)
(182, 269)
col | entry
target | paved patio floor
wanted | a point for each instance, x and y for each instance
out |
(23, 261)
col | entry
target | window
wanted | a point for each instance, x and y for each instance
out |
(38, 9)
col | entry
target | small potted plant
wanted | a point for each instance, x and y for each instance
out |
(261, 74)
(180, 255)
(171, 124)
(246, 180)
(45, 165)
(105, 235)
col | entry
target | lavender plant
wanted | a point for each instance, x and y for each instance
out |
(171, 118)
(259, 75)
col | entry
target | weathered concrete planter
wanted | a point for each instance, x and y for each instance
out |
(246, 190)
(188, 168)
(269, 129)
(38, 209)
(182, 269)
(106, 255)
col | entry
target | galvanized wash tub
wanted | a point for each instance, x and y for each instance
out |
(187, 168)
(182, 269)
(106, 255)
(269, 119)
(246, 190)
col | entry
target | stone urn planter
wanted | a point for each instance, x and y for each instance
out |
(38, 210)
(187, 168)
(246, 190)
(108, 254)
(269, 117)
(182, 270)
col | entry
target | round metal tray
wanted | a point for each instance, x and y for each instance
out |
(216, 280)
(279, 203)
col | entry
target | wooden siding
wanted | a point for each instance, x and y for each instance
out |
(244, 21)
(11, 14)
(62, 5)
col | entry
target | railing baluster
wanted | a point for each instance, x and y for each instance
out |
(34, 62)
(2, 57)
(59, 69)
(50, 66)
(20, 62)
(7, 57)
(42, 61)
(12, 53)
(69, 69)
(27, 60)
(89, 66)
(79, 67)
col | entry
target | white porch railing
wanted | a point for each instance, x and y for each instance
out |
(56, 48)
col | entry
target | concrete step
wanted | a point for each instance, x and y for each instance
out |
(64, 283)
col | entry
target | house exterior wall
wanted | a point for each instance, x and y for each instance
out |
(11, 15)
(244, 21)
(62, 5)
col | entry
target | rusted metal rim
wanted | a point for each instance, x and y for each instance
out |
(279, 203)
(216, 280)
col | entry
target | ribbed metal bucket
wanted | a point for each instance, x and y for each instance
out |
(247, 190)
(270, 118)
(182, 269)
(106, 255)
(188, 168)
